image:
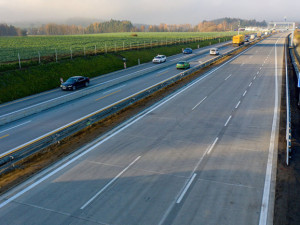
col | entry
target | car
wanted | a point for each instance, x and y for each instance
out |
(214, 51)
(75, 82)
(183, 65)
(159, 59)
(187, 51)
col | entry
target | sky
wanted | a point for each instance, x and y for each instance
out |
(148, 11)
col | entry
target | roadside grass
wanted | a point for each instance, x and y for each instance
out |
(16, 84)
(297, 40)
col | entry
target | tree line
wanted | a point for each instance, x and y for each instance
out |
(9, 30)
(112, 26)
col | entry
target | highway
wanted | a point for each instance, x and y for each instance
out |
(56, 93)
(204, 155)
(40, 124)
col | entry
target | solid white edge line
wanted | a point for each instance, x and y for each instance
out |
(15, 126)
(109, 183)
(212, 146)
(186, 188)
(165, 215)
(115, 133)
(267, 185)
(199, 103)
(227, 121)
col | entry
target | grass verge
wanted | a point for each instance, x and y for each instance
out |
(15, 84)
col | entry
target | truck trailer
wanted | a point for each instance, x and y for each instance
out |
(238, 40)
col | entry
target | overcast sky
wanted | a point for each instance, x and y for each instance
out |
(148, 11)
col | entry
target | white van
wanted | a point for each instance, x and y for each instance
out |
(214, 51)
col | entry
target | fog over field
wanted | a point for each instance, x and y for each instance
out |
(147, 11)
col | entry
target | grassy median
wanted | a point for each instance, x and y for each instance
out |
(34, 79)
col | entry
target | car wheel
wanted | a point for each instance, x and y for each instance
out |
(74, 88)
(86, 84)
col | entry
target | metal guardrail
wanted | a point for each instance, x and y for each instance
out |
(296, 69)
(81, 93)
(7, 161)
(288, 109)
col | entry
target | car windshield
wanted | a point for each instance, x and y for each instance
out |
(180, 63)
(157, 57)
(71, 80)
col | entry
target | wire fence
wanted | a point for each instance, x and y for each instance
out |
(56, 54)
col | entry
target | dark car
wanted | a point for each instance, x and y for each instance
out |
(187, 51)
(75, 82)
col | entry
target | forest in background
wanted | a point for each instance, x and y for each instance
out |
(113, 26)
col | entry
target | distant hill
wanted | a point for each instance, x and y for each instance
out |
(243, 22)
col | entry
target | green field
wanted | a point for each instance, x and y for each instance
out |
(31, 46)
(36, 78)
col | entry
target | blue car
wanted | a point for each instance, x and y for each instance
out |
(187, 51)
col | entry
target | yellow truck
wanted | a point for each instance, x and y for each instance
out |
(259, 34)
(238, 40)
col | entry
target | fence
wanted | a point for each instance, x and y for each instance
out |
(7, 161)
(38, 56)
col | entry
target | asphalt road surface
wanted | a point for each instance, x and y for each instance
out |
(204, 155)
(12, 135)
